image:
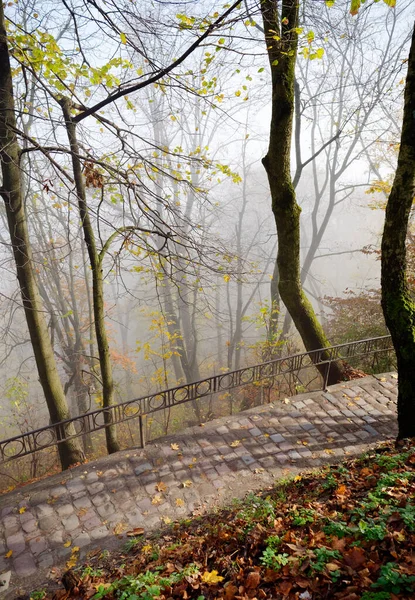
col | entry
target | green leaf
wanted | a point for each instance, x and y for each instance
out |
(354, 7)
(274, 62)
(261, 70)
(123, 38)
(320, 52)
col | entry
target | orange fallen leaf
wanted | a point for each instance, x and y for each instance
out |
(161, 487)
(8, 554)
(136, 531)
(341, 490)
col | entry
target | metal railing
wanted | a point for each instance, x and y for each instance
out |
(51, 435)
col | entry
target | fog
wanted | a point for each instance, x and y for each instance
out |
(174, 181)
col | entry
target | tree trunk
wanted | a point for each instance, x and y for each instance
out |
(97, 281)
(70, 452)
(398, 306)
(281, 41)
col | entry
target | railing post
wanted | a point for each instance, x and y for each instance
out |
(142, 432)
(326, 376)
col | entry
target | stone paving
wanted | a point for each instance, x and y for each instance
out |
(94, 505)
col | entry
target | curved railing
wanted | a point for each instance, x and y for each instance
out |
(51, 435)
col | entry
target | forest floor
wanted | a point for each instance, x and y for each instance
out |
(55, 524)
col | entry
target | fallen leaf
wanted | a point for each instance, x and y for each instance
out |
(259, 470)
(157, 499)
(338, 544)
(341, 490)
(120, 528)
(179, 502)
(332, 566)
(22, 510)
(285, 587)
(8, 554)
(136, 531)
(355, 557)
(211, 578)
(253, 580)
(166, 520)
(187, 483)
(67, 544)
(230, 591)
(286, 400)
(175, 446)
(365, 472)
(328, 451)
(161, 487)
(235, 444)
(74, 558)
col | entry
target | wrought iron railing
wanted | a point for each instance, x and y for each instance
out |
(51, 435)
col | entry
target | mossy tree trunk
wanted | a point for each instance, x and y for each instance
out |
(281, 41)
(95, 259)
(70, 452)
(397, 303)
